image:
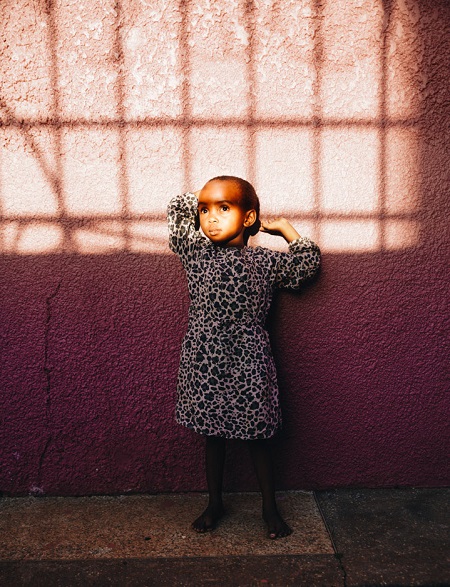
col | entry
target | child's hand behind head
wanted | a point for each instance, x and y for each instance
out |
(279, 227)
(274, 225)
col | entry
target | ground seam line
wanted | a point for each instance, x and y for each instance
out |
(337, 554)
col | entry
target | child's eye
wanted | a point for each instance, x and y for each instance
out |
(224, 208)
(203, 210)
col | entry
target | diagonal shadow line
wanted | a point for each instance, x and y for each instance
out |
(12, 120)
(17, 237)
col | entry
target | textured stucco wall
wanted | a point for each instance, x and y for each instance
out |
(338, 112)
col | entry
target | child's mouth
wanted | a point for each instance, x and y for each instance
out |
(214, 231)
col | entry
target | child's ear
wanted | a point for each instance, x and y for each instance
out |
(250, 218)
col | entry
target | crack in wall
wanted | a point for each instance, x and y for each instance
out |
(47, 372)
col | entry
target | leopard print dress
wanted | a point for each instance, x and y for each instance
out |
(227, 383)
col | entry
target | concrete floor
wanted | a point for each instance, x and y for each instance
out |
(343, 537)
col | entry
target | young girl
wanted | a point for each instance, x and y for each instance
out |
(227, 385)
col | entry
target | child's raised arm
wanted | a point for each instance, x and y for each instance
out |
(280, 227)
(181, 217)
(300, 263)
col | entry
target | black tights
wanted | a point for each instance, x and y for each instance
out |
(260, 452)
(262, 461)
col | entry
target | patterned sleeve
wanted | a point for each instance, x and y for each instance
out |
(181, 217)
(300, 263)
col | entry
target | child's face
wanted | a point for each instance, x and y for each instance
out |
(221, 217)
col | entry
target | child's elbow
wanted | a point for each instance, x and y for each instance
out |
(313, 265)
(317, 260)
(314, 258)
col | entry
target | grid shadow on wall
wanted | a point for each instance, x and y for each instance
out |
(313, 102)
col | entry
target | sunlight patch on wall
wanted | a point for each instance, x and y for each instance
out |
(26, 175)
(288, 187)
(406, 79)
(218, 40)
(402, 165)
(91, 172)
(350, 235)
(351, 69)
(108, 109)
(114, 236)
(82, 37)
(400, 234)
(25, 63)
(152, 65)
(214, 150)
(149, 153)
(103, 237)
(148, 237)
(284, 62)
(32, 238)
(350, 170)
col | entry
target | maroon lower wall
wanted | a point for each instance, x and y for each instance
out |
(89, 372)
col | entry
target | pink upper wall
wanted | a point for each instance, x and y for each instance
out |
(338, 113)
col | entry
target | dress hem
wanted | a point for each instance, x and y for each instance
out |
(202, 432)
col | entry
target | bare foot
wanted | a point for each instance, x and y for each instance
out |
(208, 519)
(276, 526)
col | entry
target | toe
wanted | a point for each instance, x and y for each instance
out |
(282, 532)
(201, 527)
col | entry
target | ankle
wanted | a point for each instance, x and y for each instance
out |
(215, 503)
(269, 508)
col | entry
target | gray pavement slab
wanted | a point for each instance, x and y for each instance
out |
(390, 536)
(147, 540)
(153, 526)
